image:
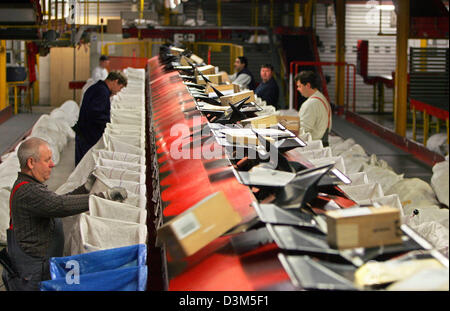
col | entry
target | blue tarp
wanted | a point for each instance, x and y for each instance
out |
(125, 279)
(110, 259)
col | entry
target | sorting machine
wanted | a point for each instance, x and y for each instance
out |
(280, 243)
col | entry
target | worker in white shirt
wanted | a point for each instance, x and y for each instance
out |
(242, 76)
(315, 113)
(100, 72)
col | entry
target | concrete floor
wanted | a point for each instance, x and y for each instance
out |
(14, 128)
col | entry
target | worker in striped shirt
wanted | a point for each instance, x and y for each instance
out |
(35, 233)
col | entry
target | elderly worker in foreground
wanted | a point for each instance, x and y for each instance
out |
(35, 233)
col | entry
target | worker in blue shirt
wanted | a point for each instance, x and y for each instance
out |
(95, 112)
(268, 88)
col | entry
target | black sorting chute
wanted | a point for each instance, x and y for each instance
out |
(236, 115)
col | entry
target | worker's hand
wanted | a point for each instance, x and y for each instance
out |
(116, 194)
(90, 182)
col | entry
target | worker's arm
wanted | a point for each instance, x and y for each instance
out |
(225, 77)
(243, 80)
(307, 116)
(40, 201)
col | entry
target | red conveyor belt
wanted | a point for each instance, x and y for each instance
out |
(185, 182)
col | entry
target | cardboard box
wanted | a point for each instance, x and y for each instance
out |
(292, 123)
(225, 77)
(190, 231)
(196, 59)
(183, 61)
(224, 88)
(176, 51)
(363, 227)
(216, 79)
(234, 98)
(240, 139)
(207, 70)
(261, 122)
(114, 26)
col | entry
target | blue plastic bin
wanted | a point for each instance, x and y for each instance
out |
(125, 279)
(98, 261)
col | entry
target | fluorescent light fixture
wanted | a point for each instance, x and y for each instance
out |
(385, 7)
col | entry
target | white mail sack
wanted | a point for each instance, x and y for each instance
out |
(362, 192)
(134, 127)
(117, 156)
(102, 184)
(131, 132)
(127, 120)
(119, 146)
(115, 210)
(98, 233)
(138, 168)
(119, 174)
(136, 141)
(358, 178)
(337, 161)
(317, 153)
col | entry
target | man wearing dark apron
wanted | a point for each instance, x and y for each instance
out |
(35, 233)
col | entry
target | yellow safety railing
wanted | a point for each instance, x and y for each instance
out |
(235, 49)
(426, 125)
(145, 47)
(15, 85)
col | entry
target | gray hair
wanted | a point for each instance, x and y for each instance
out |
(30, 149)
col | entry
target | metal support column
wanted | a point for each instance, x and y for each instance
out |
(219, 17)
(401, 71)
(297, 14)
(3, 101)
(426, 127)
(340, 52)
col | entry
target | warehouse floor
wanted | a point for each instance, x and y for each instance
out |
(14, 128)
